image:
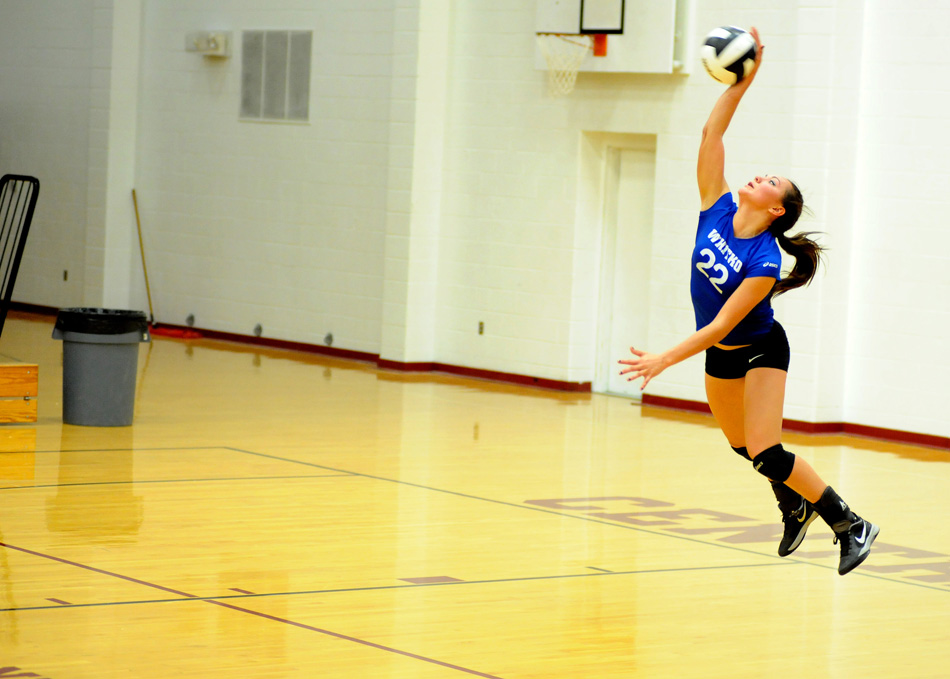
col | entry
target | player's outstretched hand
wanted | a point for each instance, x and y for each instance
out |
(759, 49)
(643, 365)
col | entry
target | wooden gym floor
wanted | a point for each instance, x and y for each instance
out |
(272, 514)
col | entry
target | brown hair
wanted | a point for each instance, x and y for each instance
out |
(807, 253)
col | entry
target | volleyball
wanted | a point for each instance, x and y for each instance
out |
(729, 54)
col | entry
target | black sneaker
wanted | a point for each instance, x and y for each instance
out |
(796, 525)
(855, 543)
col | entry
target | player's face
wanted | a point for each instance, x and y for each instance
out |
(766, 191)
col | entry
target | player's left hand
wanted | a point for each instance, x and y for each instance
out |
(644, 365)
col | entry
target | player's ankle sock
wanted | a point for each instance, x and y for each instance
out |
(834, 510)
(788, 500)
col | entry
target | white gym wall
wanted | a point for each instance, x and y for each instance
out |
(420, 199)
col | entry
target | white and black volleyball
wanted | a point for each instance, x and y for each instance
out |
(728, 54)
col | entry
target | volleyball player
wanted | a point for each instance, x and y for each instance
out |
(735, 274)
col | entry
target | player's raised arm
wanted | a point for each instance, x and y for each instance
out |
(710, 169)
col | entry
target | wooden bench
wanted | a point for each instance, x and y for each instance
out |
(18, 392)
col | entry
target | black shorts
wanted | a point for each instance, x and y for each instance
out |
(769, 352)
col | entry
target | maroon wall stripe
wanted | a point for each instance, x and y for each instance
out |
(893, 435)
(526, 380)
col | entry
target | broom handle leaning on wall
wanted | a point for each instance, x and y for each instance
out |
(148, 292)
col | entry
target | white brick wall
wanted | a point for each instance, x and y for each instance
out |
(278, 224)
(345, 225)
(898, 363)
(47, 123)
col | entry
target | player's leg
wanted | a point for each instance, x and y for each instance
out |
(764, 400)
(763, 406)
(727, 398)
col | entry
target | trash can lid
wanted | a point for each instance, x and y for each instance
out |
(101, 321)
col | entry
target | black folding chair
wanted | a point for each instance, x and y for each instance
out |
(17, 201)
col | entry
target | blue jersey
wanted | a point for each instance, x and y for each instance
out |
(721, 261)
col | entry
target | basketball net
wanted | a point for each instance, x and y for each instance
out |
(564, 55)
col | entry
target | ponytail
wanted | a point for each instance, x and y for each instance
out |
(807, 253)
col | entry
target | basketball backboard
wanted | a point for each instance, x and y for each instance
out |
(602, 16)
(580, 16)
(641, 37)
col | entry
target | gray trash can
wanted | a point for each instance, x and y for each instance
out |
(100, 362)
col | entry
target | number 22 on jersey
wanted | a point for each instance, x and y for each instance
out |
(710, 263)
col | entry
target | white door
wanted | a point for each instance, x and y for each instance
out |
(625, 265)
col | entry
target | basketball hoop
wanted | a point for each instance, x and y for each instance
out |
(564, 54)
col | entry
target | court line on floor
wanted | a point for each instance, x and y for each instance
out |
(460, 583)
(266, 616)
(588, 519)
(518, 506)
(141, 482)
(355, 640)
(97, 570)
(113, 450)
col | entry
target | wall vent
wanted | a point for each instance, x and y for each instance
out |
(275, 75)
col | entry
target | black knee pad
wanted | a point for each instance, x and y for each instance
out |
(776, 463)
(743, 452)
